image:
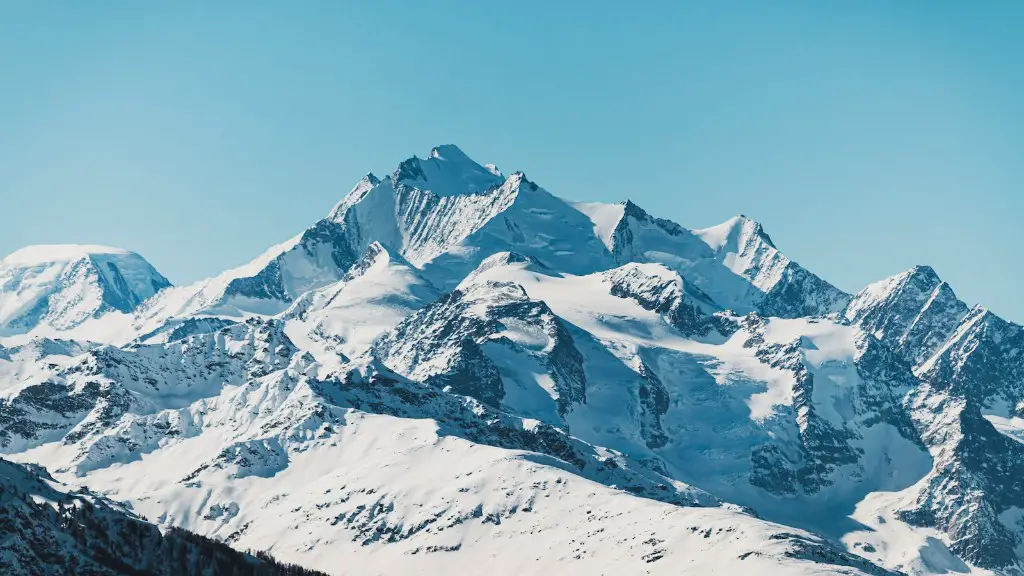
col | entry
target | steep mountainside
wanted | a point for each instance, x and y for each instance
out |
(913, 312)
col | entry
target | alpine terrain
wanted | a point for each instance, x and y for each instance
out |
(456, 371)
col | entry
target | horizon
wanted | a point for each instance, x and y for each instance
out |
(865, 139)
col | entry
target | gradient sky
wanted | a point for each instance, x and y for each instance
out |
(866, 136)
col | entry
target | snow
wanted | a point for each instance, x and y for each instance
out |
(604, 216)
(50, 289)
(343, 319)
(407, 499)
(52, 253)
(290, 404)
(719, 237)
(447, 171)
(1012, 427)
(913, 550)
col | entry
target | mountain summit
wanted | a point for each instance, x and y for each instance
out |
(60, 287)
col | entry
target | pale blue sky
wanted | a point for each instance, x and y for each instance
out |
(866, 136)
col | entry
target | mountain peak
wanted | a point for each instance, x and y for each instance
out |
(447, 171)
(924, 271)
(510, 259)
(630, 208)
(64, 285)
(449, 152)
(739, 229)
(913, 311)
(53, 253)
(518, 179)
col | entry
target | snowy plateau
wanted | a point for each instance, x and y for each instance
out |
(458, 372)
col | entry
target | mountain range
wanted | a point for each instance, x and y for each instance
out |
(456, 368)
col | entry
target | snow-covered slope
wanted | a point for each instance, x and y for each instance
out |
(735, 263)
(58, 288)
(425, 480)
(457, 368)
(341, 320)
(50, 529)
(266, 286)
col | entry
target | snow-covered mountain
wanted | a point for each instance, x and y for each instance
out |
(457, 367)
(63, 287)
(913, 312)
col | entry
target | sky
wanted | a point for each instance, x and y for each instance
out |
(865, 136)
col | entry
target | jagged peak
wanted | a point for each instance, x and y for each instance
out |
(377, 249)
(920, 273)
(923, 270)
(504, 258)
(449, 152)
(660, 274)
(982, 318)
(735, 231)
(632, 211)
(922, 276)
(651, 269)
(981, 314)
(447, 171)
(518, 180)
(494, 291)
(918, 280)
(630, 208)
(358, 192)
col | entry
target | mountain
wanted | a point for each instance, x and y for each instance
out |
(457, 367)
(264, 286)
(735, 263)
(52, 529)
(341, 320)
(967, 406)
(446, 214)
(63, 287)
(914, 312)
(971, 407)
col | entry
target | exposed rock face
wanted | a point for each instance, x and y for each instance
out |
(974, 381)
(877, 381)
(444, 344)
(79, 394)
(659, 289)
(913, 312)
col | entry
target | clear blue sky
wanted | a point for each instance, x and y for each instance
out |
(866, 136)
